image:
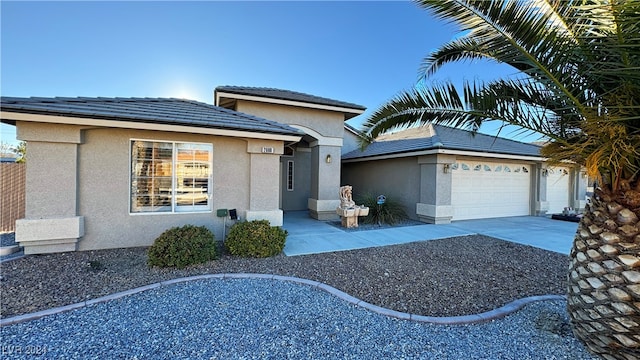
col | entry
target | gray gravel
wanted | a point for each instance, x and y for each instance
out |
(449, 277)
(7, 239)
(270, 319)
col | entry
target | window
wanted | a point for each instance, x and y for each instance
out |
(170, 177)
(289, 175)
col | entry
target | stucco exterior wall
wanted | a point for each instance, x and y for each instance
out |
(104, 188)
(398, 179)
(326, 123)
(325, 130)
(79, 187)
(349, 141)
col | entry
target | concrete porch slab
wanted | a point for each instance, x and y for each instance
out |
(310, 236)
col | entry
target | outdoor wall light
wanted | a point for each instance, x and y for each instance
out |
(328, 159)
(545, 172)
(445, 168)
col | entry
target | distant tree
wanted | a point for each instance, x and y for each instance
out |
(21, 151)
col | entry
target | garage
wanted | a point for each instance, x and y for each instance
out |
(490, 189)
(557, 189)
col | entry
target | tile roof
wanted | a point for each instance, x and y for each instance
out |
(167, 111)
(443, 137)
(287, 95)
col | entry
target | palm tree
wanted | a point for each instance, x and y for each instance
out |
(578, 86)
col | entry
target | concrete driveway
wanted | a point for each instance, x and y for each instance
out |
(309, 236)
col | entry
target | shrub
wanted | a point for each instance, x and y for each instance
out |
(391, 212)
(182, 246)
(255, 239)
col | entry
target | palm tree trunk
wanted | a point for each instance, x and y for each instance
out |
(604, 280)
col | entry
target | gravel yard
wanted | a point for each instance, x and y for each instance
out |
(270, 319)
(449, 277)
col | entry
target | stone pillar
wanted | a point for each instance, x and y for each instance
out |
(51, 223)
(435, 189)
(325, 182)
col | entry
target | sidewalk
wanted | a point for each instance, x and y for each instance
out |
(310, 236)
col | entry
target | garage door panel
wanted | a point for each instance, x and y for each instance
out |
(490, 189)
(557, 189)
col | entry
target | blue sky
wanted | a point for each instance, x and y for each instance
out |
(362, 52)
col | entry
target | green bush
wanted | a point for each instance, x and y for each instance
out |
(391, 212)
(255, 239)
(182, 246)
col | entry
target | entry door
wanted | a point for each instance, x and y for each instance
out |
(296, 180)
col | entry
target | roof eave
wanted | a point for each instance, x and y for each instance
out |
(10, 117)
(435, 151)
(347, 111)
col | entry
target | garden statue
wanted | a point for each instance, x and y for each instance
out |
(348, 209)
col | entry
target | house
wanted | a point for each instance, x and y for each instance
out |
(442, 174)
(114, 172)
(310, 168)
(117, 172)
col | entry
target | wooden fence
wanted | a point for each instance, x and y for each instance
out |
(12, 190)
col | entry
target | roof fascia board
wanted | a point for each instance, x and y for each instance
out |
(287, 102)
(86, 121)
(447, 152)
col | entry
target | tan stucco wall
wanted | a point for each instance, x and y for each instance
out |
(78, 184)
(350, 141)
(326, 123)
(395, 178)
(327, 130)
(104, 188)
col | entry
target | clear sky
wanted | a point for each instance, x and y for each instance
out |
(362, 52)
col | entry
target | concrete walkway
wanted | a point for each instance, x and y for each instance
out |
(310, 236)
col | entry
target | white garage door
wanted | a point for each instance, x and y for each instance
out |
(489, 189)
(557, 189)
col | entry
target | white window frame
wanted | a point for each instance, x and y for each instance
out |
(290, 175)
(175, 208)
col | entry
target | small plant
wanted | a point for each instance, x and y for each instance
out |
(255, 239)
(182, 246)
(391, 212)
(95, 265)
